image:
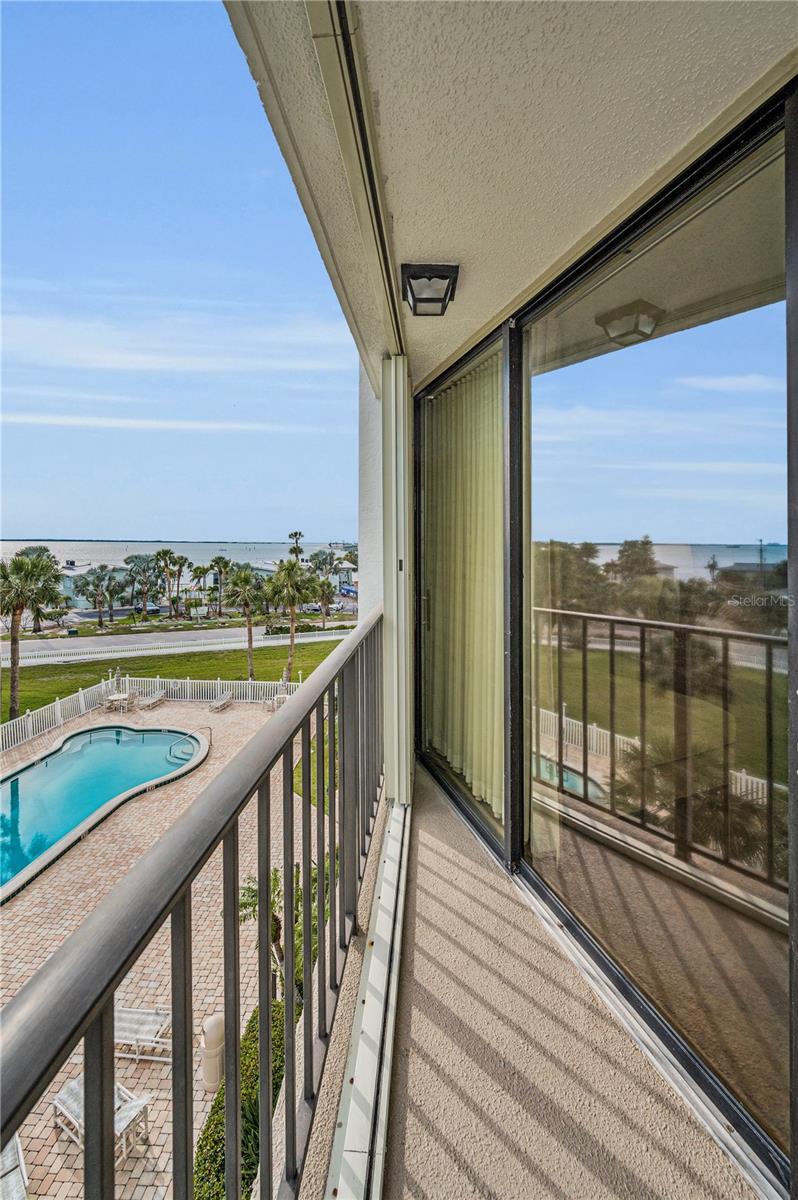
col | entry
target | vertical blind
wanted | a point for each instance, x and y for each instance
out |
(463, 556)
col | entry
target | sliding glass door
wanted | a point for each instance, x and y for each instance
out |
(657, 755)
(648, 733)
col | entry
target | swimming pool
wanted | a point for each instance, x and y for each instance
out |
(52, 802)
(571, 779)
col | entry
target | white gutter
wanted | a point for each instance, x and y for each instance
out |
(358, 1150)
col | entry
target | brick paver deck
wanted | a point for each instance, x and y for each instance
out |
(35, 922)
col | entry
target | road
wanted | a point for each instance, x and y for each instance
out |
(112, 644)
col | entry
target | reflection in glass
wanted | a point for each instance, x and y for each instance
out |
(657, 610)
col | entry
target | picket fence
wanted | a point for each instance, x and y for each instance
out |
(53, 716)
(741, 784)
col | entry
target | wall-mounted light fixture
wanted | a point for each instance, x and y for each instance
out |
(428, 288)
(631, 323)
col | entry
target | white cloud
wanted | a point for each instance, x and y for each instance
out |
(179, 343)
(733, 383)
(161, 425)
(702, 468)
(71, 395)
(742, 497)
(580, 423)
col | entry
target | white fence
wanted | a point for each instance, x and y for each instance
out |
(53, 716)
(741, 784)
(62, 653)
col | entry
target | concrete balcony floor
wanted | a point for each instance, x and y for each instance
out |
(511, 1078)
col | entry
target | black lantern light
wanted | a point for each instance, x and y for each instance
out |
(428, 288)
(631, 323)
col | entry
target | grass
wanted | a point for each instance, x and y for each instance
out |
(313, 767)
(746, 717)
(41, 685)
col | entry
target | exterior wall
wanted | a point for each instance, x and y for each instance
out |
(370, 590)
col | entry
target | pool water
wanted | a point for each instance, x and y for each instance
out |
(571, 779)
(42, 803)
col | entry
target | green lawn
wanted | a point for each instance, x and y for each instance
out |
(747, 709)
(313, 765)
(42, 684)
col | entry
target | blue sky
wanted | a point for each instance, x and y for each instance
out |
(175, 360)
(682, 438)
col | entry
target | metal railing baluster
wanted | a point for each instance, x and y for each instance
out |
(613, 748)
(289, 965)
(681, 743)
(321, 883)
(332, 824)
(264, 818)
(98, 1106)
(770, 849)
(643, 722)
(560, 713)
(232, 1016)
(182, 1052)
(307, 918)
(724, 702)
(585, 790)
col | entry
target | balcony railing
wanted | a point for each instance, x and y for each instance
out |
(676, 654)
(72, 996)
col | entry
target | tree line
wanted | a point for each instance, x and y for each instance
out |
(31, 581)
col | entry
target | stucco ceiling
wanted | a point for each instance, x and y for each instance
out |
(508, 131)
(509, 136)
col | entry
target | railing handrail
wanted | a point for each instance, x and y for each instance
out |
(742, 635)
(84, 972)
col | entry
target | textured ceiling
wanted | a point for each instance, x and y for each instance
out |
(507, 132)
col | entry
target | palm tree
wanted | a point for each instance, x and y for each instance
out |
(747, 834)
(39, 552)
(25, 582)
(136, 564)
(150, 583)
(221, 566)
(115, 588)
(92, 587)
(165, 561)
(325, 594)
(296, 537)
(291, 586)
(199, 577)
(245, 590)
(179, 563)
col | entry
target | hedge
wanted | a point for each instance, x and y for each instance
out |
(209, 1157)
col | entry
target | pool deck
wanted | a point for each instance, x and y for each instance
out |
(40, 917)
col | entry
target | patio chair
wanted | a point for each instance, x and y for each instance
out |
(143, 1034)
(221, 702)
(13, 1176)
(131, 1116)
(152, 701)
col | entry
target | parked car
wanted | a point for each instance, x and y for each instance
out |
(153, 610)
(311, 608)
(337, 606)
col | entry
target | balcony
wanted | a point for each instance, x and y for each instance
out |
(510, 1069)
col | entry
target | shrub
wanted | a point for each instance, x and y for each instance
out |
(209, 1157)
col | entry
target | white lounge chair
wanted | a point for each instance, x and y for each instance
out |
(152, 701)
(221, 702)
(131, 1116)
(13, 1176)
(143, 1034)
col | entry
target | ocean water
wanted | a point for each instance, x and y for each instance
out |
(91, 554)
